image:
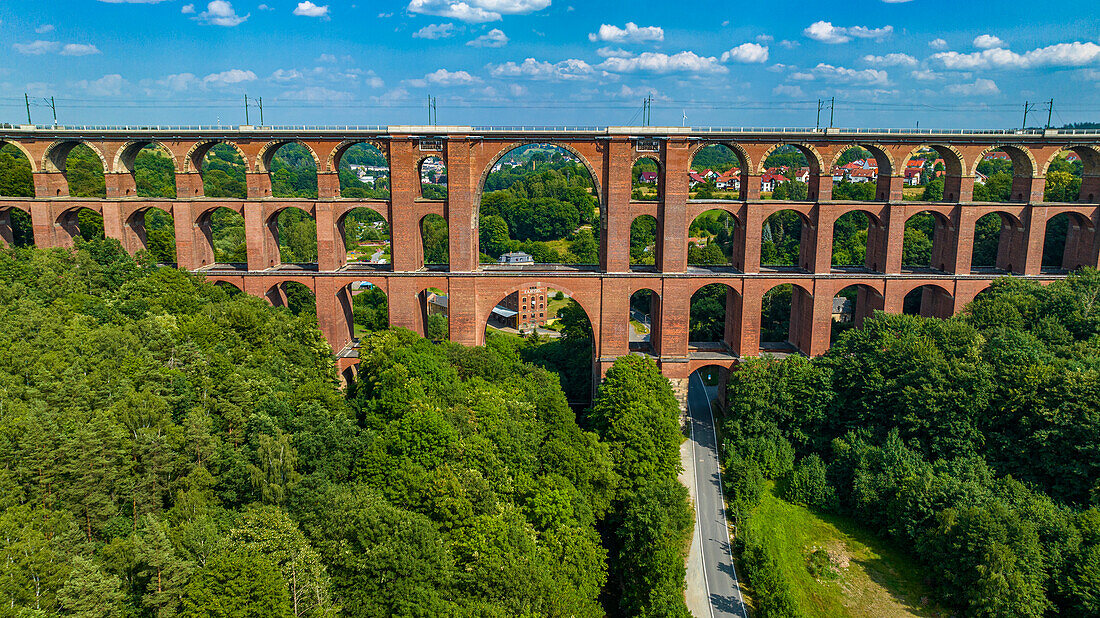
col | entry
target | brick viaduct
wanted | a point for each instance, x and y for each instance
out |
(604, 291)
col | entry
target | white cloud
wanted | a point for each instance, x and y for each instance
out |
(106, 86)
(179, 82)
(632, 33)
(37, 48)
(937, 44)
(655, 62)
(842, 75)
(188, 9)
(316, 94)
(1074, 54)
(764, 38)
(517, 90)
(443, 77)
(78, 49)
(492, 38)
(221, 13)
(988, 41)
(326, 58)
(892, 60)
(435, 31)
(534, 69)
(787, 89)
(285, 75)
(44, 29)
(925, 75)
(228, 78)
(826, 32)
(131, 1)
(746, 52)
(980, 88)
(264, 7)
(308, 9)
(613, 52)
(476, 11)
(789, 44)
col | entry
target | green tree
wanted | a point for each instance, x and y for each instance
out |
(90, 593)
(236, 585)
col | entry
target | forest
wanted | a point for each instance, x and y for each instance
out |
(175, 448)
(970, 442)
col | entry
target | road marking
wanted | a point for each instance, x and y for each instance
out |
(698, 525)
(722, 499)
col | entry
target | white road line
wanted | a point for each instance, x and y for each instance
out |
(722, 502)
(698, 525)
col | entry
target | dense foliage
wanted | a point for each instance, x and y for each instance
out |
(971, 441)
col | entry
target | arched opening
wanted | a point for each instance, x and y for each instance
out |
(781, 241)
(643, 241)
(711, 239)
(366, 237)
(1066, 172)
(155, 231)
(230, 290)
(16, 180)
(223, 172)
(295, 232)
(1069, 242)
(855, 176)
(370, 308)
(715, 318)
(925, 241)
(81, 223)
(706, 385)
(646, 180)
(930, 301)
(293, 171)
(776, 315)
(152, 169)
(786, 174)
(539, 205)
(433, 178)
(83, 170)
(294, 296)
(1003, 175)
(997, 242)
(852, 232)
(851, 306)
(645, 321)
(364, 173)
(436, 240)
(716, 173)
(223, 229)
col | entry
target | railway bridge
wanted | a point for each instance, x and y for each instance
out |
(603, 291)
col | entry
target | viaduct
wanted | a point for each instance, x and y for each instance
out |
(603, 291)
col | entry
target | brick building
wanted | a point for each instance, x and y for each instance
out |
(529, 305)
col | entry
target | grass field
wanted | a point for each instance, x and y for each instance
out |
(868, 576)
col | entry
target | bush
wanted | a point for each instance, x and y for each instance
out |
(770, 588)
(807, 485)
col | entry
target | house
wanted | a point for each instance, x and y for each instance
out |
(843, 309)
(980, 178)
(695, 179)
(729, 180)
(437, 304)
(997, 155)
(802, 175)
(862, 175)
(527, 308)
(912, 175)
(648, 178)
(770, 181)
(517, 257)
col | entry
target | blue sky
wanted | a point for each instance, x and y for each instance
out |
(938, 63)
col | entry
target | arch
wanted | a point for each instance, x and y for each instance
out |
(863, 182)
(332, 164)
(289, 176)
(363, 228)
(153, 229)
(813, 158)
(743, 159)
(776, 238)
(1069, 242)
(268, 151)
(23, 149)
(299, 297)
(930, 300)
(858, 302)
(232, 289)
(221, 236)
(998, 246)
(435, 176)
(927, 240)
(56, 155)
(193, 160)
(83, 221)
(714, 318)
(295, 239)
(711, 238)
(953, 162)
(369, 307)
(880, 153)
(1088, 153)
(563, 286)
(353, 185)
(851, 248)
(537, 199)
(435, 239)
(642, 178)
(509, 147)
(734, 178)
(126, 156)
(645, 321)
(644, 244)
(1023, 161)
(713, 378)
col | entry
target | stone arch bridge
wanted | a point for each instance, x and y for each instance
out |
(604, 291)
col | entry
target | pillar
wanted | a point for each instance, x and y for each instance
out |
(328, 185)
(1028, 188)
(7, 234)
(674, 320)
(256, 234)
(734, 309)
(890, 188)
(333, 311)
(331, 252)
(886, 241)
(1082, 244)
(43, 224)
(114, 226)
(190, 249)
(958, 188)
(1027, 243)
(820, 188)
(1090, 188)
(615, 241)
(259, 184)
(50, 184)
(408, 252)
(465, 324)
(752, 299)
(672, 218)
(811, 320)
(750, 186)
(120, 185)
(189, 184)
(462, 206)
(747, 239)
(406, 307)
(816, 244)
(614, 319)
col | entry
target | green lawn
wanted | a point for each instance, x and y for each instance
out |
(873, 579)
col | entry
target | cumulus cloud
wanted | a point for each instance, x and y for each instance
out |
(655, 62)
(842, 75)
(79, 49)
(892, 60)
(632, 33)
(492, 38)
(179, 82)
(925, 75)
(286, 75)
(220, 13)
(937, 44)
(435, 31)
(988, 41)
(746, 52)
(826, 32)
(530, 68)
(979, 88)
(788, 90)
(188, 9)
(476, 11)
(316, 94)
(443, 77)
(613, 52)
(44, 29)
(106, 86)
(37, 48)
(1074, 54)
(308, 9)
(228, 78)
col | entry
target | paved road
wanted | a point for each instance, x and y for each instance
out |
(712, 534)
